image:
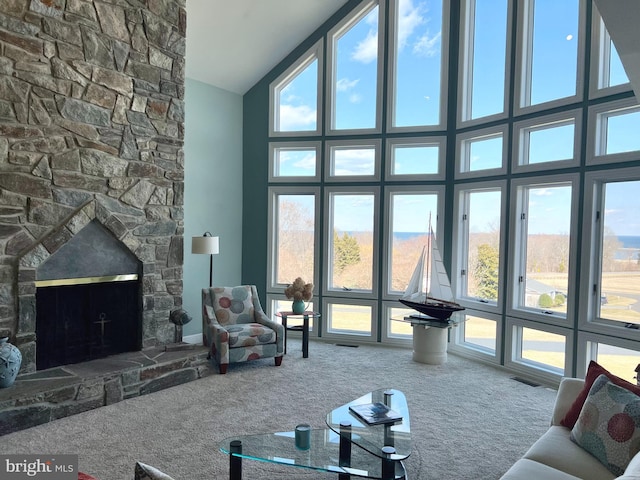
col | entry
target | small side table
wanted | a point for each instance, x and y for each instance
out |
(304, 328)
(429, 338)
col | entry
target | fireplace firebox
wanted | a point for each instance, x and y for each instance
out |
(88, 300)
(77, 323)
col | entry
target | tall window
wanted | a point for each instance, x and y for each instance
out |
(353, 241)
(609, 71)
(417, 63)
(294, 236)
(296, 97)
(480, 237)
(542, 217)
(531, 180)
(550, 37)
(617, 286)
(484, 59)
(409, 218)
(354, 81)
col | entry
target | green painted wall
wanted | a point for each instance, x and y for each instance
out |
(254, 186)
(256, 161)
(213, 190)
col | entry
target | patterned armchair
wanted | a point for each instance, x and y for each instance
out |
(236, 329)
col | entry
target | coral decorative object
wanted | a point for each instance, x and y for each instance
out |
(10, 361)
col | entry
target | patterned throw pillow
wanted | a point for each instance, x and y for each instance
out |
(147, 472)
(233, 304)
(608, 425)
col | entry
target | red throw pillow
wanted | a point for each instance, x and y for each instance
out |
(593, 372)
(84, 476)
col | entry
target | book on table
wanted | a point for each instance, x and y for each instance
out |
(375, 413)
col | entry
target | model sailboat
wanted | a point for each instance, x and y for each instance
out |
(433, 297)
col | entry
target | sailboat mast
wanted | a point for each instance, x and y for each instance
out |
(427, 285)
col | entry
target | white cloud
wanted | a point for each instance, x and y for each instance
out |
(409, 18)
(354, 162)
(355, 98)
(356, 154)
(345, 84)
(296, 118)
(367, 50)
(542, 192)
(308, 162)
(427, 46)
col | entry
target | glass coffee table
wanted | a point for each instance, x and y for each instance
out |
(350, 447)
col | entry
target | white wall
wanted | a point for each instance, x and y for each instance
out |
(213, 190)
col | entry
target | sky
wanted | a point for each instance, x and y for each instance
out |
(552, 69)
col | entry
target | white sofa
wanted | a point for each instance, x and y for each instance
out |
(555, 457)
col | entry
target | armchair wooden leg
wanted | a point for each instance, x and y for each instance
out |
(278, 361)
(223, 368)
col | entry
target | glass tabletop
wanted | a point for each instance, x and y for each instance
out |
(419, 319)
(373, 438)
(323, 454)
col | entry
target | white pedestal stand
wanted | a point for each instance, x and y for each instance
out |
(429, 344)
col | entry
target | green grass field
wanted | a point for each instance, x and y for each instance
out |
(357, 319)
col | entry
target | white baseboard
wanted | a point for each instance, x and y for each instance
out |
(195, 339)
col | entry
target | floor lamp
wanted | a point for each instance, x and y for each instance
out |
(207, 245)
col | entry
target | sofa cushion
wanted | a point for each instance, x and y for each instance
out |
(632, 472)
(568, 391)
(608, 425)
(250, 335)
(233, 305)
(593, 372)
(555, 449)
(525, 469)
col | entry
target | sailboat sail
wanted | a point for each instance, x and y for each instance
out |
(415, 290)
(440, 287)
(433, 297)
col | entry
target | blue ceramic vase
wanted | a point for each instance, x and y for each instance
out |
(298, 306)
(10, 361)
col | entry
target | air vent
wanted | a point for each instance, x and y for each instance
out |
(525, 381)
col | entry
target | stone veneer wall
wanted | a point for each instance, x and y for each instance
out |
(91, 127)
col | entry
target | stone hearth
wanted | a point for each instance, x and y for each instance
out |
(55, 393)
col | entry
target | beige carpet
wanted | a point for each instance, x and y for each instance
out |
(468, 420)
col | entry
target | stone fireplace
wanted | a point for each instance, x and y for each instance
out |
(85, 250)
(91, 154)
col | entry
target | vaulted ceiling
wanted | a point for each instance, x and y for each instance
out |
(232, 44)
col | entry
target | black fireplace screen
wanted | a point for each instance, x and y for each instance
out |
(77, 323)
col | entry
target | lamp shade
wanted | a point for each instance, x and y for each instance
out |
(206, 245)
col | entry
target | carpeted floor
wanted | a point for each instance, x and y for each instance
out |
(468, 420)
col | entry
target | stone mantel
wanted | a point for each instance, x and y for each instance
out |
(91, 127)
